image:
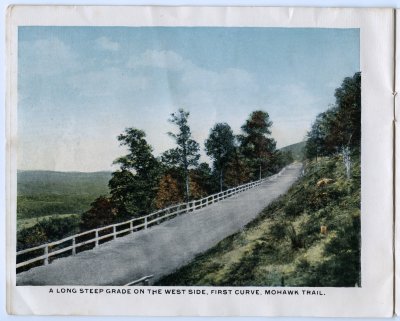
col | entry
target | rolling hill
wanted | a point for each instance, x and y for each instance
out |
(62, 183)
(296, 149)
(46, 193)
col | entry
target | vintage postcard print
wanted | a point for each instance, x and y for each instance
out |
(210, 161)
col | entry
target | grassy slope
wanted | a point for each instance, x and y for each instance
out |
(44, 193)
(284, 246)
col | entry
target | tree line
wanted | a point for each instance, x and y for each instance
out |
(337, 131)
(144, 183)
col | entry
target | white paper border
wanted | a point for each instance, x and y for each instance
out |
(375, 298)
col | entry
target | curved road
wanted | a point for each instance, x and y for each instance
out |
(162, 249)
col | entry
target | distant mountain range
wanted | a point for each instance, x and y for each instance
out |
(296, 149)
(62, 183)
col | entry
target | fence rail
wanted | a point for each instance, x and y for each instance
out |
(129, 226)
(144, 281)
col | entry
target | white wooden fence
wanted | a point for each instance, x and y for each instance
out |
(110, 232)
(144, 281)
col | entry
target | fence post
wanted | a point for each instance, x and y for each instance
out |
(96, 243)
(114, 232)
(73, 246)
(145, 222)
(131, 227)
(46, 253)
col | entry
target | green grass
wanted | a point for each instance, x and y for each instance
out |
(29, 222)
(44, 205)
(45, 193)
(284, 245)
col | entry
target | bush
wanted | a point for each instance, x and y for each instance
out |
(47, 230)
(102, 213)
(293, 208)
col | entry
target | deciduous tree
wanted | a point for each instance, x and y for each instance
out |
(338, 130)
(186, 154)
(101, 213)
(134, 187)
(220, 146)
(169, 192)
(256, 144)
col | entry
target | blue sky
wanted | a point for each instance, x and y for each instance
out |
(80, 87)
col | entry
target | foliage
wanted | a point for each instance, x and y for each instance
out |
(29, 222)
(133, 188)
(255, 142)
(30, 237)
(169, 192)
(186, 154)
(339, 128)
(220, 146)
(204, 179)
(196, 189)
(47, 230)
(347, 128)
(101, 213)
(316, 137)
(238, 169)
(35, 206)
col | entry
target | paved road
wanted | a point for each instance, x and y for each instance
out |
(161, 249)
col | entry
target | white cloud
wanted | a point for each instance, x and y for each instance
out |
(291, 100)
(191, 75)
(164, 59)
(105, 43)
(228, 79)
(107, 82)
(46, 57)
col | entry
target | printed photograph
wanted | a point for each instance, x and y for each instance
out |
(189, 156)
